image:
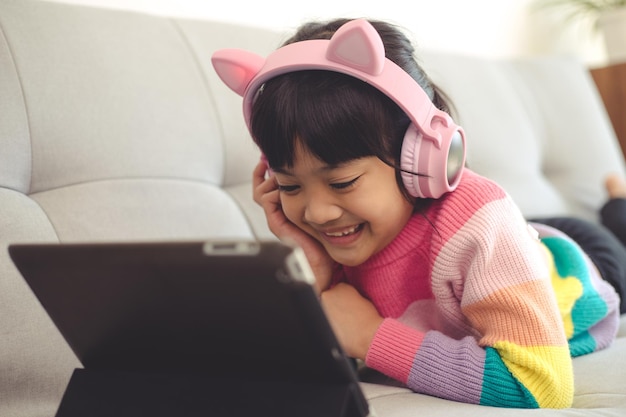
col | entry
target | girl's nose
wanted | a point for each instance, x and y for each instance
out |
(321, 209)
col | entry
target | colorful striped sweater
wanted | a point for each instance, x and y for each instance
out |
(467, 291)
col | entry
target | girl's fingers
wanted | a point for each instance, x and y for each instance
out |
(262, 185)
(258, 175)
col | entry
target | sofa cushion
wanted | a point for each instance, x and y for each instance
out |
(537, 126)
(124, 100)
(203, 39)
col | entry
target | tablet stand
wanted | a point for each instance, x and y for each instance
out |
(95, 393)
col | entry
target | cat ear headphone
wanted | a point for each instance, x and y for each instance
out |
(433, 150)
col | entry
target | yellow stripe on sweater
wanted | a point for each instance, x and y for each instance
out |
(567, 290)
(545, 371)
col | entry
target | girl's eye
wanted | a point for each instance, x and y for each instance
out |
(287, 188)
(344, 185)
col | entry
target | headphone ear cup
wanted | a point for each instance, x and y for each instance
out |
(427, 171)
(409, 158)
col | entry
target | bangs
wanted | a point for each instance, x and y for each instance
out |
(335, 116)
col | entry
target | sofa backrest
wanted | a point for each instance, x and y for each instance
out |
(537, 126)
(108, 115)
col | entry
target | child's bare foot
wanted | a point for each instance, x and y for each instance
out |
(615, 186)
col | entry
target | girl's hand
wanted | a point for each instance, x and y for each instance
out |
(353, 318)
(266, 194)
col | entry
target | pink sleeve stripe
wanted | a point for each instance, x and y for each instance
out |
(393, 349)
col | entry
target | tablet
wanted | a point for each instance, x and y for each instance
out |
(236, 309)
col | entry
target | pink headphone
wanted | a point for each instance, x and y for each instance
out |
(433, 146)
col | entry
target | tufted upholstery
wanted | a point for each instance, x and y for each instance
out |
(113, 126)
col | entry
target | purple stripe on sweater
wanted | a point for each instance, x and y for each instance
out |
(444, 367)
(604, 332)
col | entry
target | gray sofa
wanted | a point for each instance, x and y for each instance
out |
(113, 126)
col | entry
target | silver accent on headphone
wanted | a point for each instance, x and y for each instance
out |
(455, 157)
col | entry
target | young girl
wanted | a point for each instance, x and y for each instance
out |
(427, 271)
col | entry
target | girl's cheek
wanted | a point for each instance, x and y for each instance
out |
(287, 206)
(292, 211)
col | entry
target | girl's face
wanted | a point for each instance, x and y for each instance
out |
(354, 209)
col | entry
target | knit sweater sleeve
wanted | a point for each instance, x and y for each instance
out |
(490, 275)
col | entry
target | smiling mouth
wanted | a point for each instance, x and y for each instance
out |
(354, 229)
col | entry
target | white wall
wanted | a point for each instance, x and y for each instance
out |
(494, 28)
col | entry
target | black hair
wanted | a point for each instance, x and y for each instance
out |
(335, 116)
